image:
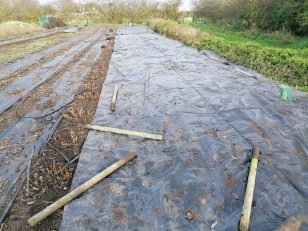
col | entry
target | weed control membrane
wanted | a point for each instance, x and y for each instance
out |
(211, 115)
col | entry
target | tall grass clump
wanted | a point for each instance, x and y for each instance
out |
(283, 35)
(174, 30)
(289, 66)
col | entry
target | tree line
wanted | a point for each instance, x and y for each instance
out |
(266, 15)
(106, 11)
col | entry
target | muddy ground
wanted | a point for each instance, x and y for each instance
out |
(51, 94)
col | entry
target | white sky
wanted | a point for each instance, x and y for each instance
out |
(186, 4)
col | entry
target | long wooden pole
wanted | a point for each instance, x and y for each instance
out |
(223, 62)
(114, 97)
(246, 73)
(245, 219)
(124, 132)
(76, 192)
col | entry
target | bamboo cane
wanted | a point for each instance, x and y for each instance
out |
(246, 73)
(125, 132)
(32, 221)
(223, 62)
(245, 219)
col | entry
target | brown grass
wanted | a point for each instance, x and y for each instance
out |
(14, 29)
(175, 30)
(14, 51)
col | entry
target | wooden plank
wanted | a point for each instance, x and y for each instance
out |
(124, 132)
(114, 97)
(245, 219)
(76, 192)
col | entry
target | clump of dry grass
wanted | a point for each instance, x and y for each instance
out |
(175, 30)
(283, 35)
(14, 29)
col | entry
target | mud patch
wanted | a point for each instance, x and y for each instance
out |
(119, 216)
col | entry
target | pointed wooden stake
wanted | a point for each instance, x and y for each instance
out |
(114, 97)
(245, 219)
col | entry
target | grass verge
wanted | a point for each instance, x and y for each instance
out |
(13, 29)
(277, 39)
(289, 66)
(12, 52)
(175, 30)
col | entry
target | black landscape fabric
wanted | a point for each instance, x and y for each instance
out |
(211, 115)
(28, 134)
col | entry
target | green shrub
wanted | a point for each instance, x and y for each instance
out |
(285, 65)
(238, 25)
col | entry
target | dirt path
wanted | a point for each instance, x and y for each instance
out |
(71, 74)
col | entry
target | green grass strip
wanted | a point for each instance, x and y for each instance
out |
(288, 66)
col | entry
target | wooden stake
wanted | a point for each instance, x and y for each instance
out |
(125, 132)
(245, 219)
(114, 97)
(76, 192)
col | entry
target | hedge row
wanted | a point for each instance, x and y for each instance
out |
(288, 66)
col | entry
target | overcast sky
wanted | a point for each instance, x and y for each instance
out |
(186, 4)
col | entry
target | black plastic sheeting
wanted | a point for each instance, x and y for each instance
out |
(29, 135)
(37, 57)
(38, 76)
(211, 115)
